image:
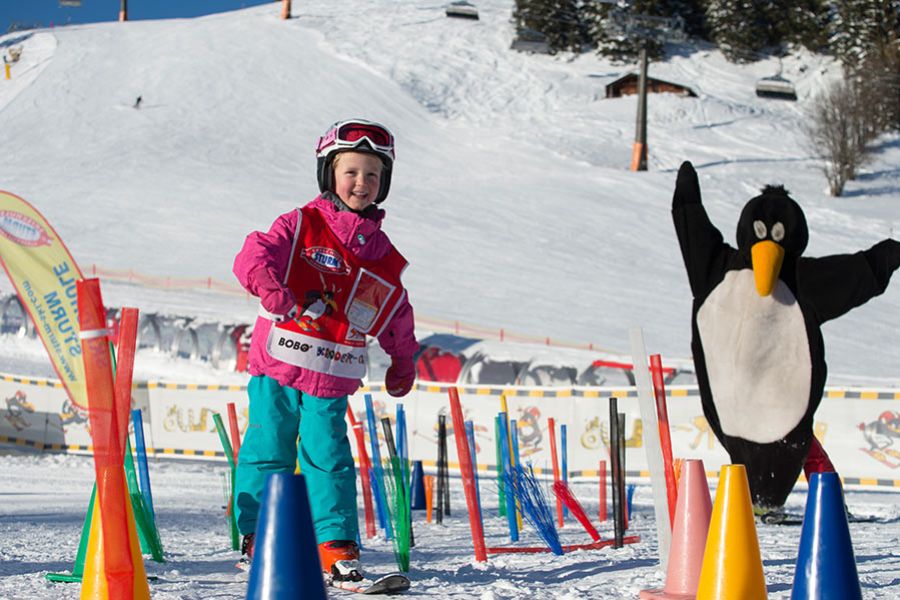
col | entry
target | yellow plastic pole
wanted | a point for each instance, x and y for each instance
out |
(6, 68)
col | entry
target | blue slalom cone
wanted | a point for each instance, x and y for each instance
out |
(826, 567)
(417, 486)
(285, 555)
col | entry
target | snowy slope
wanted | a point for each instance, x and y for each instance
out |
(511, 195)
(511, 198)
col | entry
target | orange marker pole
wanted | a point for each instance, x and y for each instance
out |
(429, 497)
(602, 514)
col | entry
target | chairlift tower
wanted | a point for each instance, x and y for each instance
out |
(643, 28)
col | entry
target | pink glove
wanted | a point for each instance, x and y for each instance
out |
(275, 297)
(400, 376)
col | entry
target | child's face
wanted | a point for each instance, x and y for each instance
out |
(357, 178)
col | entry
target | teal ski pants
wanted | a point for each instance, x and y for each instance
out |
(277, 415)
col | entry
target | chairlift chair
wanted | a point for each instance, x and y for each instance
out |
(462, 9)
(776, 87)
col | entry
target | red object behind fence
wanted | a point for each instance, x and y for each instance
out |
(665, 436)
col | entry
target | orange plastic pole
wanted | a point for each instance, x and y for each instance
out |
(108, 447)
(665, 436)
(551, 424)
(364, 466)
(468, 477)
(286, 9)
(429, 497)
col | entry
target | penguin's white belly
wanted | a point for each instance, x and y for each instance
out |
(757, 358)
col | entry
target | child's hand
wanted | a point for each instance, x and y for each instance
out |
(400, 376)
(275, 297)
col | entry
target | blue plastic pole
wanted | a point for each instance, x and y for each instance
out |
(514, 430)
(508, 479)
(565, 461)
(143, 470)
(470, 435)
(402, 446)
(378, 480)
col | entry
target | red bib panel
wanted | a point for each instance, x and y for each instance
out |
(341, 299)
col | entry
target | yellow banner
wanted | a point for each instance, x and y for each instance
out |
(44, 275)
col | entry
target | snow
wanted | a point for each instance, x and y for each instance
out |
(511, 198)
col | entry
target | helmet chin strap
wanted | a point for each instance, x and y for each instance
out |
(340, 205)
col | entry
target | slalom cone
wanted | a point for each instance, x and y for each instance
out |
(94, 584)
(732, 567)
(285, 555)
(692, 513)
(417, 487)
(826, 567)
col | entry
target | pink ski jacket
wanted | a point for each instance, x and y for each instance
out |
(364, 238)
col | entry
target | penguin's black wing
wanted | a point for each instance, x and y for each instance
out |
(833, 285)
(703, 249)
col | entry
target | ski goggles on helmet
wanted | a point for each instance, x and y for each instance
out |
(346, 135)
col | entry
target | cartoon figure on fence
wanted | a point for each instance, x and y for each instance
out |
(70, 415)
(17, 408)
(317, 304)
(703, 430)
(880, 434)
(174, 420)
(529, 430)
(596, 434)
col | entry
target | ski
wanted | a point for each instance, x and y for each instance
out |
(394, 583)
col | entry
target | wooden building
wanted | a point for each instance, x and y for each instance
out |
(627, 85)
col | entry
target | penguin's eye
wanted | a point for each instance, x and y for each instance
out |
(759, 228)
(778, 231)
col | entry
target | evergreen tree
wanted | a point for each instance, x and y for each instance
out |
(739, 27)
(558, 20)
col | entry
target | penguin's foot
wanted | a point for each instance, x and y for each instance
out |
(770, 515)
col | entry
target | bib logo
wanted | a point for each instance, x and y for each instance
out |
(22, 229)
(326, 260)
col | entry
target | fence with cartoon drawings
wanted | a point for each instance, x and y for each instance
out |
(858, 427)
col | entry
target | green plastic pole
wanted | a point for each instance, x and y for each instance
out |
(229, 454)
(78, 567)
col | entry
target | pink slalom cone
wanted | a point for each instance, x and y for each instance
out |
(692, 514)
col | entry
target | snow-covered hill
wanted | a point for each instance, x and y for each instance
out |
(511, 196)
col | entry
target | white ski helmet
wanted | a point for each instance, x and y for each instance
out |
(358, 135)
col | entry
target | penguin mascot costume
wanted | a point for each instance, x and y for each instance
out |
(756, 318)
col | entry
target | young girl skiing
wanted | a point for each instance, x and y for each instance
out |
(327, 277)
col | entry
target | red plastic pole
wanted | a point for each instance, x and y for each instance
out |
(602, 491)
(107, 443)
(235, 431)
(665, 436)
(128, 324)
(468, 477)
(364, 466)
(551, 424)
(630, 539)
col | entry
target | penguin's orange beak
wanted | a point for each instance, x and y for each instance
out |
(767, 257)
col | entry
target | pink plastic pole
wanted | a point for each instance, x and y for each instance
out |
(602, 491)
(551, 424)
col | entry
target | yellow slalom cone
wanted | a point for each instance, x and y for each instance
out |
(732, 567)
(93, 582)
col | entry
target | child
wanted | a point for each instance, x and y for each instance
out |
(326, 276)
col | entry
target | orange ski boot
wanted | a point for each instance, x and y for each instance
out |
(340, 560)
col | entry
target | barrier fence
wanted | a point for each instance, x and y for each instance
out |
(859, 427)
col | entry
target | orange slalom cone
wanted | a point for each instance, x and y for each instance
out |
(825, 566)
(93, 582)
(692, 514)
(732, 567)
